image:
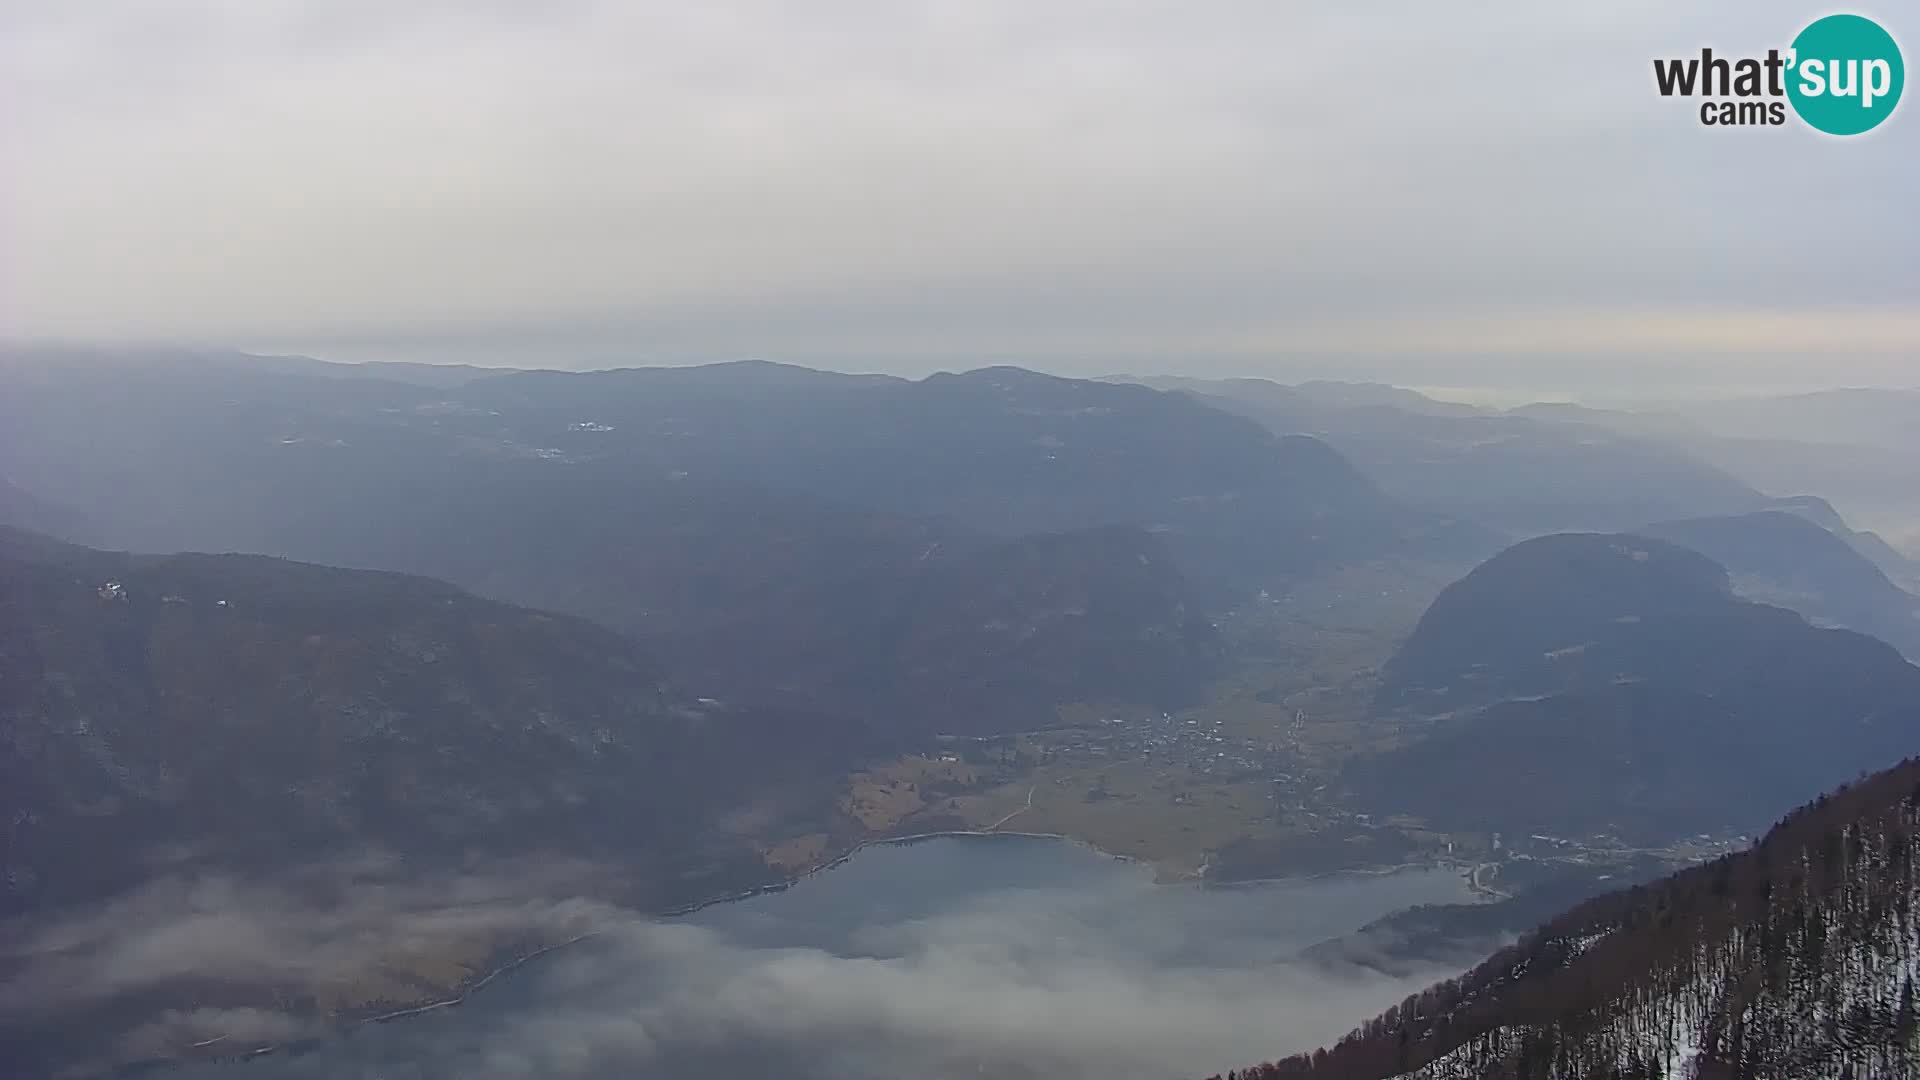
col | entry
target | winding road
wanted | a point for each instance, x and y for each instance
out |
(1015, 814)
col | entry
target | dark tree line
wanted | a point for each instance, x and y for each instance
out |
(1793, 960)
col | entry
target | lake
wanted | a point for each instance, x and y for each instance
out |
(949, 957)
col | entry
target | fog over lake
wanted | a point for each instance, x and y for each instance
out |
(953, 957)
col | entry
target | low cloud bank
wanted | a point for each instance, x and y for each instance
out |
(1049, 981)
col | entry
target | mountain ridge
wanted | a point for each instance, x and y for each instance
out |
(1782, 557)
(1597, 684)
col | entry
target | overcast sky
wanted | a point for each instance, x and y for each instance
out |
(1248, 187)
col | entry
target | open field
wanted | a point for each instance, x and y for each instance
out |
(1256, 760)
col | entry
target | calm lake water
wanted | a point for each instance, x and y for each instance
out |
(952, 957)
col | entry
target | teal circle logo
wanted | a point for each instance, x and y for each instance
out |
(1845, 75)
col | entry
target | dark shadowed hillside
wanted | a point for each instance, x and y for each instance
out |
(750, 595)
(238, 711)
(1611, 683)
(967, 637)
(769, 533)
(984, 643)
(1521, 622)
(1796, 960)
(23, 509)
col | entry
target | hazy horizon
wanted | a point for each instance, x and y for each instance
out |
(1286, 372)
(904, 188)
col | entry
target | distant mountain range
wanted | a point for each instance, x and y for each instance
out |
(1556, 466)
(23, 509)
(1784, 558)
(1593, 683)
(1527, 471)
(1000, 450)
(770, 533)
(1900, 568)
(1857, 448)
(1795, 960)
(201, 458)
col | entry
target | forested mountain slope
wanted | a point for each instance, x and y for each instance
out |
(1794, 960)
(768, 533)
(170, 712)
(1586, 684)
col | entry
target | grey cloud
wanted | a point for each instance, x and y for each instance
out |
(904, 186)
(328, 923)
(1011, 982)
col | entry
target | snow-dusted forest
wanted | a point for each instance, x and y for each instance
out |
(1794, 960)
